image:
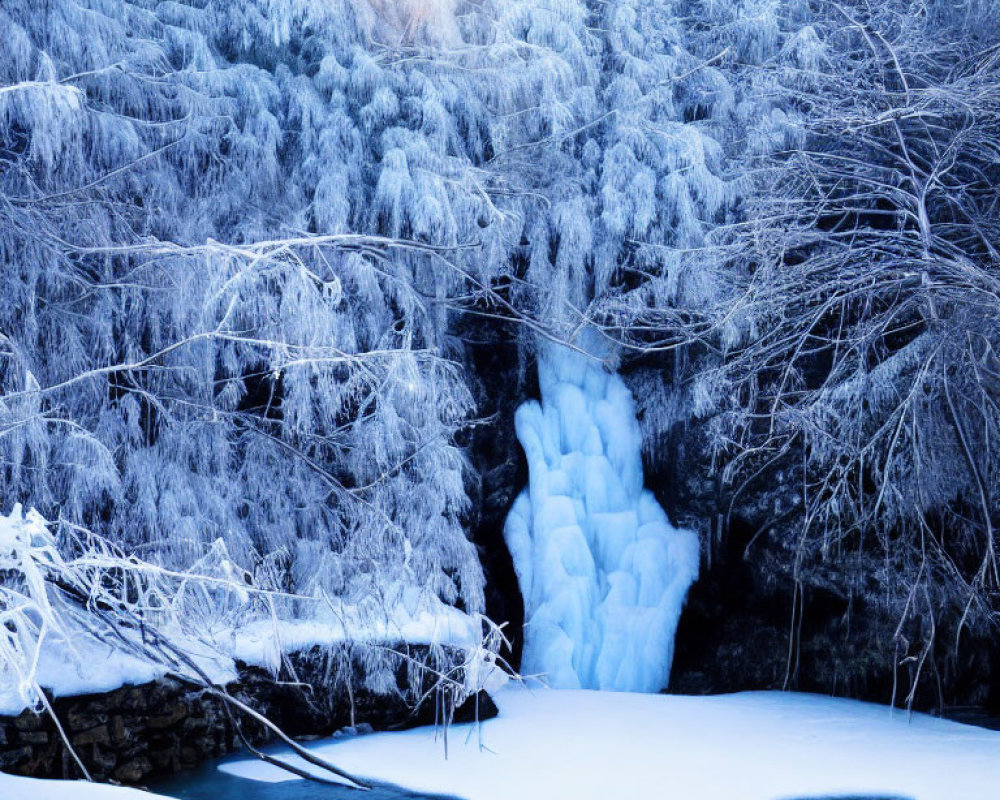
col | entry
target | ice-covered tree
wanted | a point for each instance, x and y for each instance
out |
(225, 278)
(240, 243)
(864, 366)
(235, 238)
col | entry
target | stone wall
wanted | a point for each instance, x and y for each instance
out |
(140, 733)
(128, 735)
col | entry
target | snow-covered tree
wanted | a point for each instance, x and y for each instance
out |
(197, 341)
(235, 237)
(240, 243)
(864, 365)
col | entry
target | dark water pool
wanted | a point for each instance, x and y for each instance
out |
(207, 782)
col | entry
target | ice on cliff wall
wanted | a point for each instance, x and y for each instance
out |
(603, 572)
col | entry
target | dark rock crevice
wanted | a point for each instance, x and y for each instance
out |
(500, 383)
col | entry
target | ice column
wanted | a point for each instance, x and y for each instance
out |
(602, 571)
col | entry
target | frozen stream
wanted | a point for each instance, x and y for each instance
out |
(586, 745)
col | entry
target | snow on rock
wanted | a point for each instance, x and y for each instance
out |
(402, 613)
(262, 643)
(90, 667)
(589, 745)
(602, 571)
(45, 646)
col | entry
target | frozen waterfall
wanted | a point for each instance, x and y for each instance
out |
(602, 571)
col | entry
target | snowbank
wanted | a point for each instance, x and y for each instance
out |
(603, 572)
(91, 668)
(14, 788)
(410, 615)
(550, 744)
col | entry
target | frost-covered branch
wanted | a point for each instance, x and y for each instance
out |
(868, 304)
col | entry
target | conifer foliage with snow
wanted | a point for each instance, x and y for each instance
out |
(197, 346)
(234, 238)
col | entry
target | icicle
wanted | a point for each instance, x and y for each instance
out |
(602, 571)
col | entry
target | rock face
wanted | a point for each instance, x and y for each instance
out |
(736, 632)
(499, 470)
(128, 735)
(139, 733)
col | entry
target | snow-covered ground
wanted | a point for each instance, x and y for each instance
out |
(553, 744)
(14, 788)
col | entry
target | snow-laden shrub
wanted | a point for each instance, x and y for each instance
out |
(68, 597)
(29, 611)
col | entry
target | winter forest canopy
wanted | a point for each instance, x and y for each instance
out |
(276, 274)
